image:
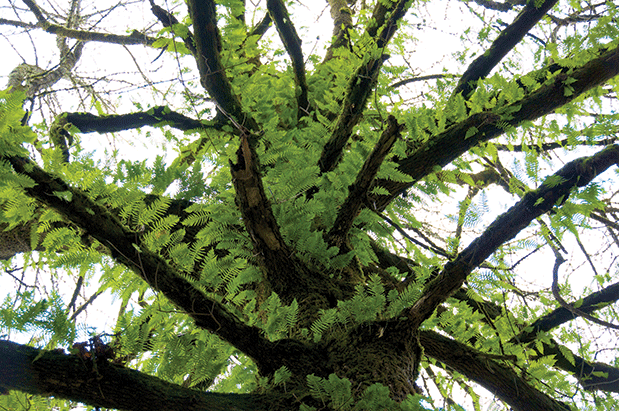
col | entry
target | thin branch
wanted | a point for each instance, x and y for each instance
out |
(85, 305)
(16, 23)
(292, 43)
(134, 38)
(557, 295)
(420, 78)
(555, 145)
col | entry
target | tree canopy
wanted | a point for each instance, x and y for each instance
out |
(280, 221)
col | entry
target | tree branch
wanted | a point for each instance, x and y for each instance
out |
(495, 377)
(443, 148)
(292, 43)
(168, 20)
(285, 273)
(212, 74)
(358, 191)
(557, 187)
(361, 85)
(159, 115)
(134, 38)
(504, 43)
(126, 248)
(50, 373)
(342, 23)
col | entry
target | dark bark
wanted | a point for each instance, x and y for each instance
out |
(556, 188)
(102, 384)
(212, 74)
(490, 374)
(156, 116)
(361, 84)
(443, 148)
(292, 43)
(283, 271)
(358, 191)
(168, 20)
(125, 248)
(561, 315)
(507, 40)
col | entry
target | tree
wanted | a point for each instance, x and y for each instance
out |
(301, 248)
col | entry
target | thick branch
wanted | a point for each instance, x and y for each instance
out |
(212, 74)
(126, 248)
(443, 148)
(358, 191)
(292, 42)
(160, 115)
(342, 23)
(556, 188)
(361, 86)
(507, 40)
(286, 275)
(49, 373)
(496, 378)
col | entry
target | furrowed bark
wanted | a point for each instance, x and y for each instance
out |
(288, 276)
(443, 148)
(495, 377)
(556, 188)
(50, 373)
